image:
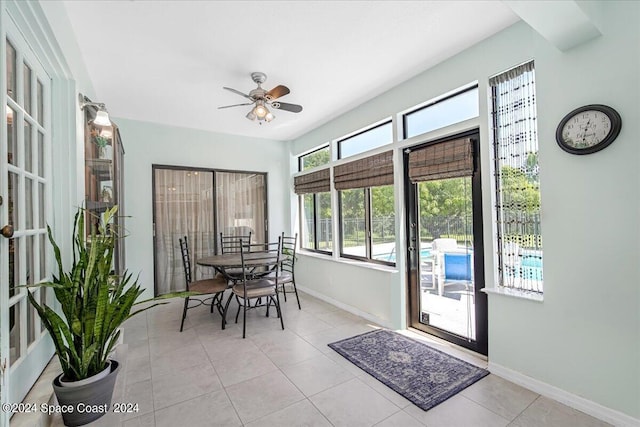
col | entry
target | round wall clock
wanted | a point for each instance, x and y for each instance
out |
(588, 129)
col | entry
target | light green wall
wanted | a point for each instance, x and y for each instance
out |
(585, 337)
(146, 144)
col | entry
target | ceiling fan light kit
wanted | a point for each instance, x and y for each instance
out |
(263, 100)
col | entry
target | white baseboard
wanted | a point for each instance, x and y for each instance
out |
(345, 307)
(580, 403)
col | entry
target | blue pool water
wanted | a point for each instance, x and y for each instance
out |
(530, 268)
(391, 256)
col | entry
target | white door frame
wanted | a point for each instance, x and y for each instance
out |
(26, 24)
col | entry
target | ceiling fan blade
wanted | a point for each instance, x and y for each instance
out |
(277, 92)
(238, 92)
(294, 108)
(235, 105)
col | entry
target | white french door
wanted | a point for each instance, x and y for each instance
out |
(25, 209)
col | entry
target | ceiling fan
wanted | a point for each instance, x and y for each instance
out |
(264, 99)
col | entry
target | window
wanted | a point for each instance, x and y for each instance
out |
(318, 157)
(368, 224)
(453, 109)
(515, 146)
(367, 214)
(374, 137)
(316, 226)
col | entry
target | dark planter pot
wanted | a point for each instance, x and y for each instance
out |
(86, 403)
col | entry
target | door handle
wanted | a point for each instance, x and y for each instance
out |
(7, 231)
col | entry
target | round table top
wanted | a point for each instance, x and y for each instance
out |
(234, 260)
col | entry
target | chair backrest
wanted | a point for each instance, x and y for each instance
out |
(457, 266)
(261, 261)
(444, 245)
(232, 244)
(289, 252)
(186, 259)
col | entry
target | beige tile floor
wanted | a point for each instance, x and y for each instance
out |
(205, 376)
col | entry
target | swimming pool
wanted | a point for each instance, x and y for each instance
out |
(530, 268)
(391, 256)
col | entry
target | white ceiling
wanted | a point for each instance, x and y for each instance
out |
(167, 61)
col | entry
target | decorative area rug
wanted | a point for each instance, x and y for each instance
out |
(422, 374)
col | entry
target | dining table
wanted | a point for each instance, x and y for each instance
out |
(228, 264)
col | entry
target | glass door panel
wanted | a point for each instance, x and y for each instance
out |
(25, 209)
(183, 206)
(241, 205)
(444, 246)
(446, 249)
(186, 203)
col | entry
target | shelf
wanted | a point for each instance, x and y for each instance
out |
(96, 206)
(101, 168)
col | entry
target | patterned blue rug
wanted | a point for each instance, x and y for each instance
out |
(422, 374)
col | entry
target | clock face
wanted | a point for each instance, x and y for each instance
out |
(586, 129)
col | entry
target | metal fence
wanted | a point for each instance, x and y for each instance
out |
(525, 226)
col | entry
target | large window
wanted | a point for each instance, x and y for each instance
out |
(369, 139)
(443, 112)
(367, 214)
(517, 179)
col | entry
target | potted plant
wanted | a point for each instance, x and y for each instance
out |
(94, 304)
(103, 144)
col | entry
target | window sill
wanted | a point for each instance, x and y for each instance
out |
(514, 293)
(354, 262)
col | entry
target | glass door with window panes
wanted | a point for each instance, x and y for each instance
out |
(24, 213)
(444, 251)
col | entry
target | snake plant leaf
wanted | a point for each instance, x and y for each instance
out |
(94, 303)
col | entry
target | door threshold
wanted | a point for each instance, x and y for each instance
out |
(460, 352)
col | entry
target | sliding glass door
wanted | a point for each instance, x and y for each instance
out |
(241, 204)
(200, 204)
(445, 241)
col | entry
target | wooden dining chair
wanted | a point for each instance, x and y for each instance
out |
(216, 285)
(257, 288)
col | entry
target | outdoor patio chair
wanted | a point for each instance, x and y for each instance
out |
(216, 285)
(439, 247)
(458, 274)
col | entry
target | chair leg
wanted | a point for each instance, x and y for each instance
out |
(244, 319)
(184, 312)
(224, 313)
(284, 291)
(296, 291)
(238, 312)
(219, 303)
(277, 303)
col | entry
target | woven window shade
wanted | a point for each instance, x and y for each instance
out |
(371, 171)
(314, 182)
(448, 159)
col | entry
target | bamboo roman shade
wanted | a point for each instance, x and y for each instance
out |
(448, 159)
(314, 182)
(371, 171)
